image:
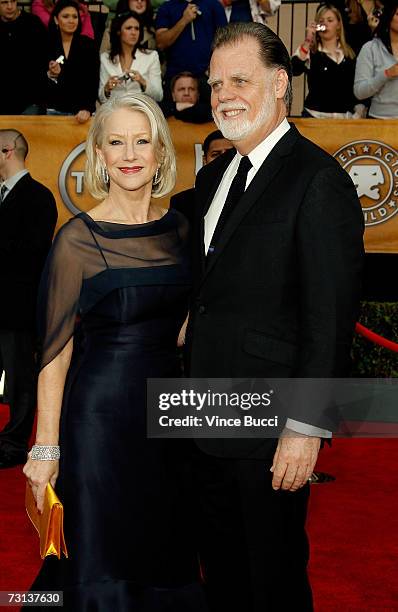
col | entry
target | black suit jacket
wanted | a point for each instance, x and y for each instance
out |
(76, 88)
(280, 296)
(27, 221)
(23, 47)
(185, 203)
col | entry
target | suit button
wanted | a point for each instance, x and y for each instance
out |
(202, 309)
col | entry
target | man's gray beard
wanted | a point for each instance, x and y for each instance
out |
(243, 128)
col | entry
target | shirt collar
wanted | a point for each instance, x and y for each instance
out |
(339, 53)
(262, 150)
(13, 180)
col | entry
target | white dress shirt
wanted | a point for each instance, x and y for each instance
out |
(12, 181)
(257, 157)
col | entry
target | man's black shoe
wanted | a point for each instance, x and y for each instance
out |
(10, 460)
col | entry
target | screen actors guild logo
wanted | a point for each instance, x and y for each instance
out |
(71, 181)
(373, 168)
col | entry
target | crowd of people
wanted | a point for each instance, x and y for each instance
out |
(244, 288)
(349, 55)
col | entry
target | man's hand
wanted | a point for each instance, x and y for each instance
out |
(265, 6)
(180, 106)
(190, 13)
(82, 116)
(183, 331)
(294, 460)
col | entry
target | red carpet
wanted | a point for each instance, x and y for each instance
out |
(353, 525)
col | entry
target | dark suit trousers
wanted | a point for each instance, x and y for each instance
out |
(253, 546)
(17, 357)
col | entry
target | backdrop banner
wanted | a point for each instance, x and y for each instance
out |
(367, 149)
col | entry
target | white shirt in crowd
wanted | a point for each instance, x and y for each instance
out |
(145, 62)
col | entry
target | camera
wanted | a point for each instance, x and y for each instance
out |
(127, 76)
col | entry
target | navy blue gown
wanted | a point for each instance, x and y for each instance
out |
(128, 521)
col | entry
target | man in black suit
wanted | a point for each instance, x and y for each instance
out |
(28, 215)
(214, 145)
(24, 61)
(185, 100)
(276, 292)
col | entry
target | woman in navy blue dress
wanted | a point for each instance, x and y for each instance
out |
(122, 272)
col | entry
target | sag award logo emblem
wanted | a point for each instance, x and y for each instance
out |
(373, 168)
(71, 181)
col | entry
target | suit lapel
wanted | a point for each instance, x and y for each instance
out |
(257, 187)
(13, 194)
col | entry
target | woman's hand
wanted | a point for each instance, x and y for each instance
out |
(373, 21)
(54, 69)
(310, 32)
(38, 475)
(392, 72)
(308, 41)
(110, 85)
(137, 76)
(82, 116)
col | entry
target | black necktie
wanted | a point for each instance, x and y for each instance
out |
(235, 193)
(3, 191)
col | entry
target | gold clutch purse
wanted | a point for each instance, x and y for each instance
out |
(50, 524)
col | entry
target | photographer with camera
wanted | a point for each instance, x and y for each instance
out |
(361, 18)
(185, 30)
(128, 67)
(329, 63)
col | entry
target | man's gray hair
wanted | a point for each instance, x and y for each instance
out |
(273, 52)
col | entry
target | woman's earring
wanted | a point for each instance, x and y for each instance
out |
(156, 178)
(105, 175)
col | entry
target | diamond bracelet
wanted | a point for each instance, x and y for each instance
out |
(45, 453)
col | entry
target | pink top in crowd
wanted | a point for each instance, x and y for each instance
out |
(39, 9)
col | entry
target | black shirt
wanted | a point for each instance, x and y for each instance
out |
(23, 63)
(77, 85)
(330, 85)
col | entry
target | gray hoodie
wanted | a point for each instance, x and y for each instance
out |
(371, 82)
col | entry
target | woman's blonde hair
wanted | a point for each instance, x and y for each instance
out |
(161, 140)
(348, 52)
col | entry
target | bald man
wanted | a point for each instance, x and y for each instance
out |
(28, 215)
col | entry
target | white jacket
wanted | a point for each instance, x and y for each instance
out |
(145, 62)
